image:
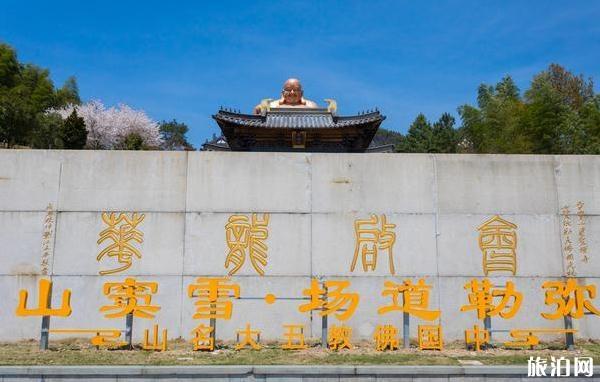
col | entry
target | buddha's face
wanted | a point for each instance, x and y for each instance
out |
(292, 92)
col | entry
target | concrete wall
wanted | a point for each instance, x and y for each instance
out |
(436, 201)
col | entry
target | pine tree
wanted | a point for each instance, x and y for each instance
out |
(173, 136)
(420, 136)
(73, 133)
(444, 135)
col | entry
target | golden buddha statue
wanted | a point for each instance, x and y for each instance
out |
(291, 97)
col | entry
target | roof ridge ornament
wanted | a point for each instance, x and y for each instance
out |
(331, 105)
(265, 106)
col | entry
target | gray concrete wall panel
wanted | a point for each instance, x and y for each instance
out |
(578, 179)
(29, 184)
(591, 266)
(146, 181)
(21, 238)
(288, 245)
(373, 183)
(16, 328)
(248, 182)
(335, 240)
(496, 184)
(537, 238)
(77, 243)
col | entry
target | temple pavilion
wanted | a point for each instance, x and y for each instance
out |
(293, 123)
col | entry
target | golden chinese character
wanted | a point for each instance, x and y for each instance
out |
(242, 235)
(330, 299)
(370, 239)
(430, 337)
(203, 339)
(248, 340)
(108, 339)
(482, 298)
(526, 337)
(498, 243)
(155, 345)
(132, 297)
(477, 336)
(386, 337)
(523, 338)
(570, 299)
(415, 299)
(567, 244)
(295, 337)
(102, 337)
(121, 230)
(44, 298)
(213, 295)
(339, 337)
(583, 248)
(47, 237)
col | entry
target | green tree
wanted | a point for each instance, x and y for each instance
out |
(45, 136)
(495, 125)
(588, 137)
(174, 137)
(14, 120)
(444, 136)
(132, 141)
(68, 93)
(14, 116)
(36, 88)
(573, 89)
(561, 113)
(420, 136)
(26, 92)
(72, 133)
(544, 116)
(9, 66)
(507, 90)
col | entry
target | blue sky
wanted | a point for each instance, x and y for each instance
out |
(184, 59)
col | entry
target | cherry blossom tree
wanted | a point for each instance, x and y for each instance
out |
(109, 128)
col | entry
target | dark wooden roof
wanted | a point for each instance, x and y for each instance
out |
(320, 130)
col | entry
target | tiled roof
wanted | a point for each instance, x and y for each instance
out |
(300, 120)
(292, 119)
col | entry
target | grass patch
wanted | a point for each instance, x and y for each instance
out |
(80, 352)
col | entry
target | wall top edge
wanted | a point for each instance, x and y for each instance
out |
(241, 153)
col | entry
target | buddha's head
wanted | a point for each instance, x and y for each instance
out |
(292, 92)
